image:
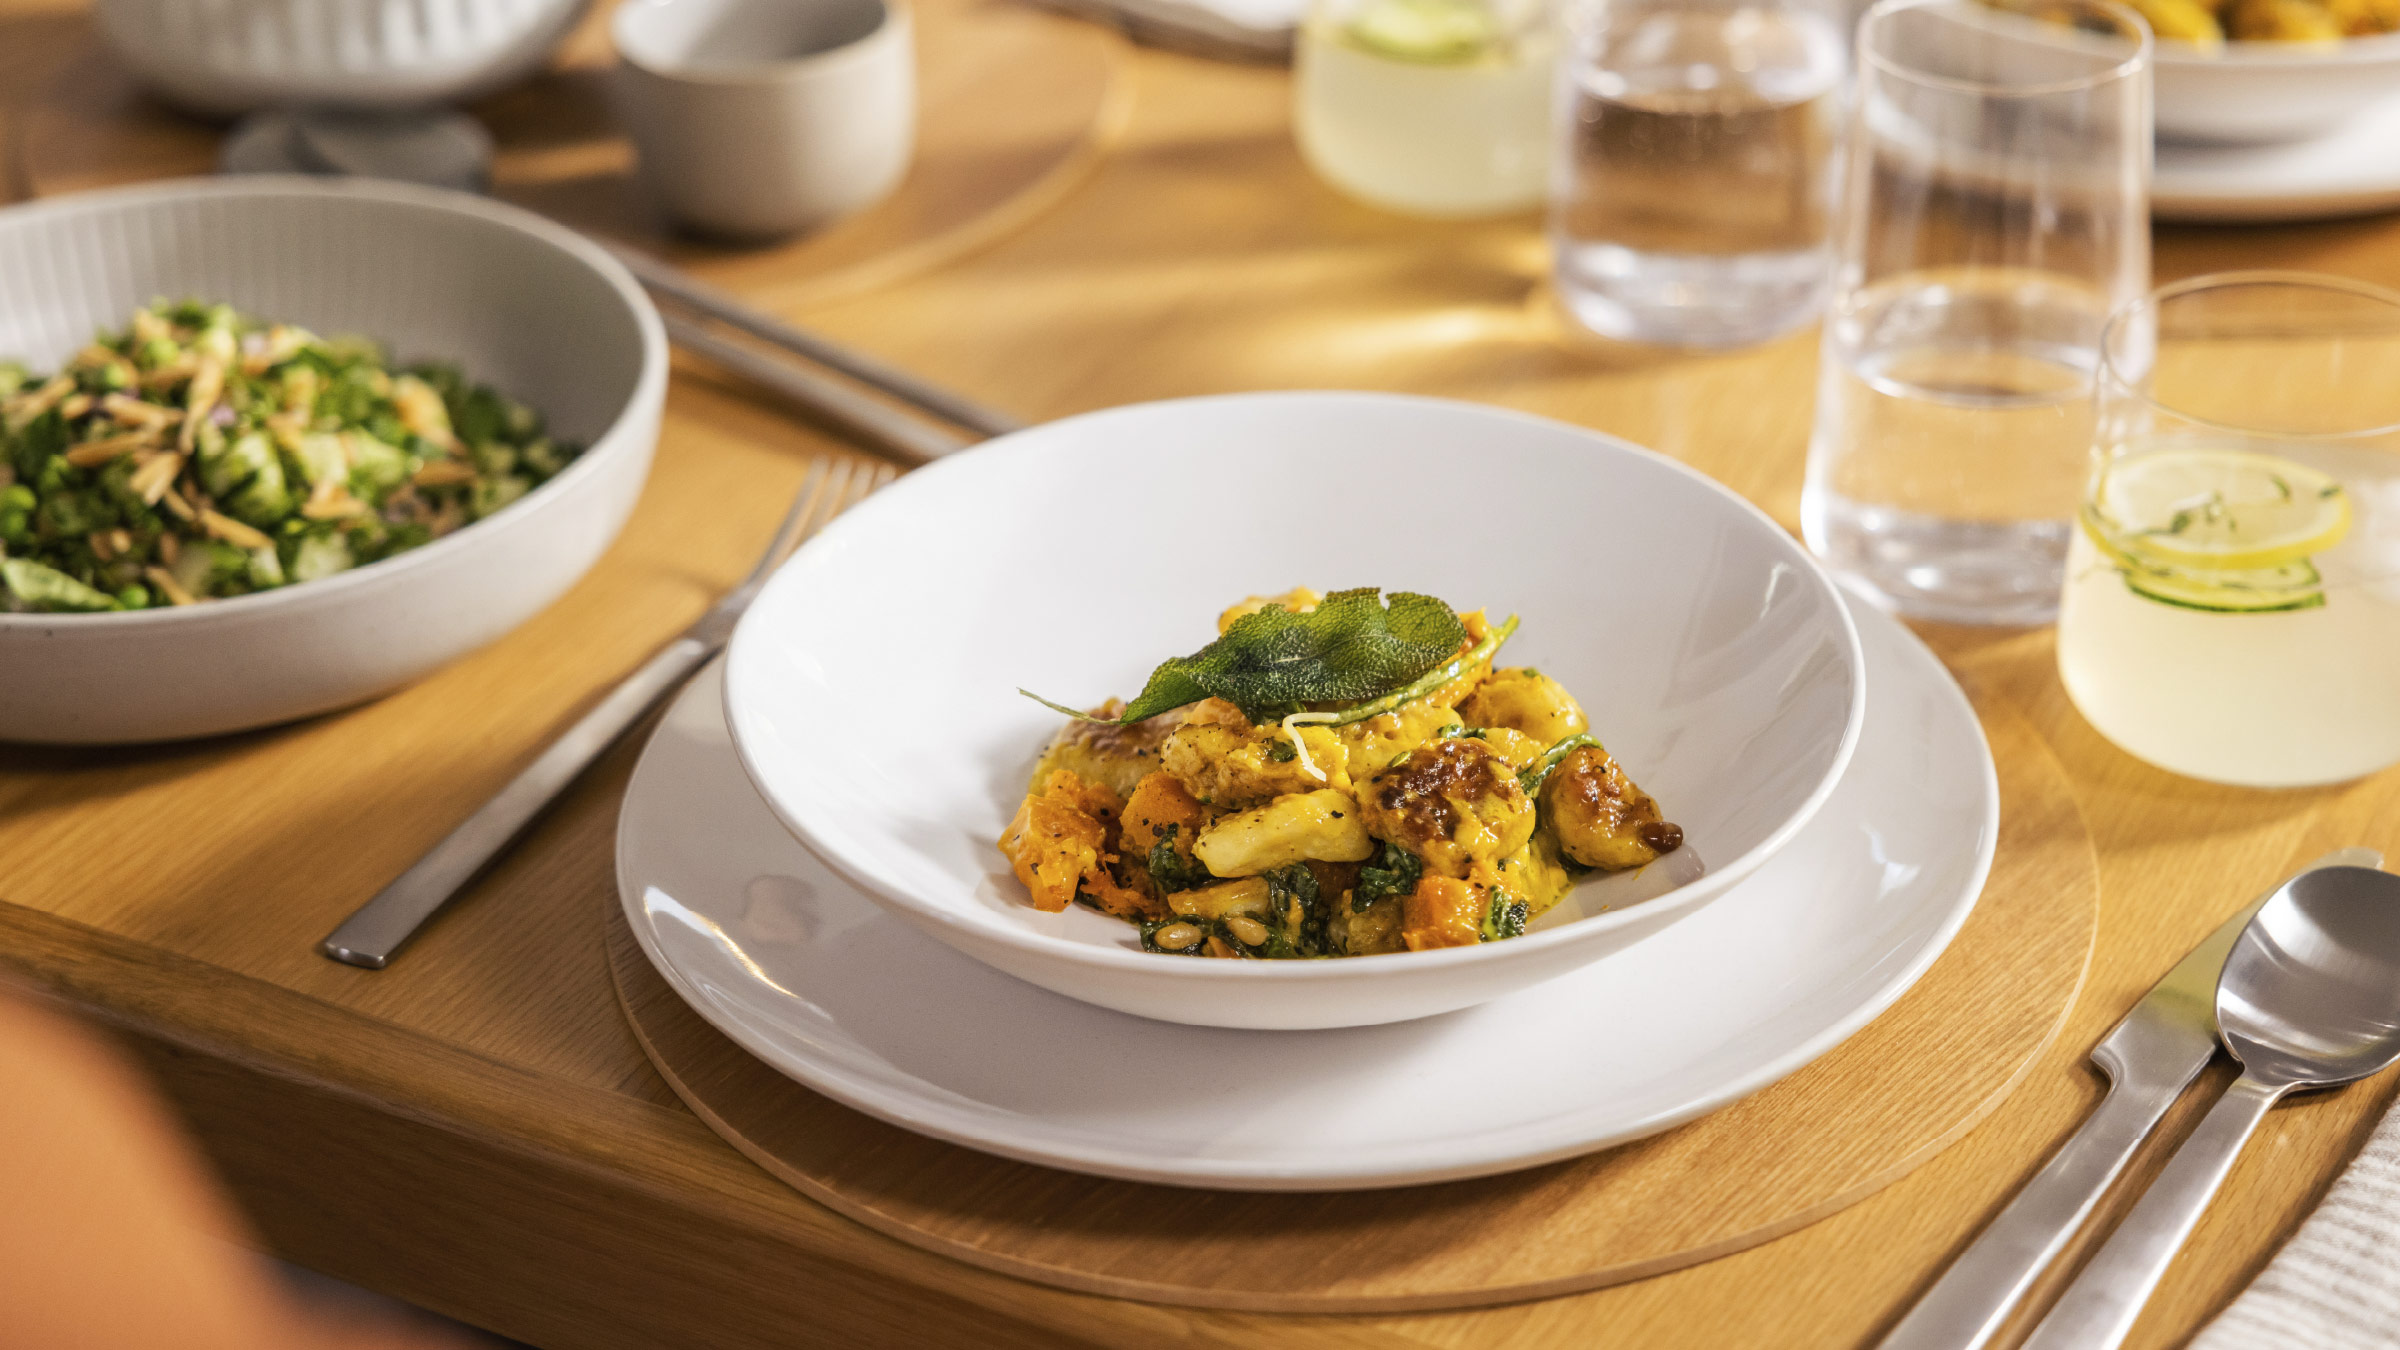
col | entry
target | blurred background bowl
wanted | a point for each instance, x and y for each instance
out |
(221, 57)
(2272, 91)
(519, 303)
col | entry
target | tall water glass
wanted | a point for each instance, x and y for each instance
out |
(2232, 604)
(1995, 211)
(1692, 177)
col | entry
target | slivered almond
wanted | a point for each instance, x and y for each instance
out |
(152, 477)
(100, 544)
(74, 406)
(443, 473)
(173, 501)
(134, 412)
(93, 454)
(332, 501)
(169, 549)
(172, 373)
(22, 408)
(233, 531)
(208, 382)
(92, 355)
(168, 586)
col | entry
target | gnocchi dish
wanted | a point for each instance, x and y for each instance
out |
(1335, 775)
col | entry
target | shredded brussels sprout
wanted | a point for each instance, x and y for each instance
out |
(202, 454)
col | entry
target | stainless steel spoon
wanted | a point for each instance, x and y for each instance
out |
(2310, 998)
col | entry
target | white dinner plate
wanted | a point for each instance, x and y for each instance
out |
(2348, 172)
(803, 971)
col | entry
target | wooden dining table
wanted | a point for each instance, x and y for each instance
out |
(476, 1129)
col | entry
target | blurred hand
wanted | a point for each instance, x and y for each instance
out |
(112, 1235)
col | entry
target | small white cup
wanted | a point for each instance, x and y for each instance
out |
(758, 118)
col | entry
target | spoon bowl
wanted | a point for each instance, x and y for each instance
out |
(2310, 996)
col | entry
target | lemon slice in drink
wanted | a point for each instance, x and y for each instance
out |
(2230, 510)
(1436, 32)
(2230, 531)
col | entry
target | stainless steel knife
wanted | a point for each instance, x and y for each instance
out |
(2150, 1057)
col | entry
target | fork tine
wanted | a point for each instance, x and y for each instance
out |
(794, 526)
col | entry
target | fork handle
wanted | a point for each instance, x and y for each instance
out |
(379, 928)
(1965, 1309)
(2108, 1294)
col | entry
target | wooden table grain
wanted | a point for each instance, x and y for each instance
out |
(476, 1130)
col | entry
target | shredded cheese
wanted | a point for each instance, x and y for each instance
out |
(1291, 729)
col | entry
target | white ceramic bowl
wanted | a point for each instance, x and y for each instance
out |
(520, 303)
(2272, 91)
(871, 691)
(229, 56)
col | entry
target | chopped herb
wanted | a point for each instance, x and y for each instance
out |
(1282, 751)
(1538, 772)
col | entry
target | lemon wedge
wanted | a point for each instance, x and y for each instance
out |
(1435, 32)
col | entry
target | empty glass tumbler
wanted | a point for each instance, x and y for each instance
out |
(1692, 173)
(1994, 212)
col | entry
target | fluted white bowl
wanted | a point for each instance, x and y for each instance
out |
(872, 689)
(229, 56)
(518, 302)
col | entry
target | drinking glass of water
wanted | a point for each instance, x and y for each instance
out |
(1692, 182)
(1994, 212)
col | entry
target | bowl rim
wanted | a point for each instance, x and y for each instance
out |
(977, 930)
(648, 388)
(895, 23)
(2372, 49)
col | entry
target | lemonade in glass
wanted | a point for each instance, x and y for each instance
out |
(2232, 602)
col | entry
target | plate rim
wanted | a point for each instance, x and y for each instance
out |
(1226, 1174)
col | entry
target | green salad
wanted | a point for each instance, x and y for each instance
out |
(202, 454)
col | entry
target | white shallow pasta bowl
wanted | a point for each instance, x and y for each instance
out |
(517, 302)
(872, 690)
(2247, 92)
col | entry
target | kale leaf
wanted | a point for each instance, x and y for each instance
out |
(1394, 872)
(1171, 869)
(1506, 918)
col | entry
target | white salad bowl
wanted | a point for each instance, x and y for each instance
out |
(872, 690)
(518, 303)
(2272, 91)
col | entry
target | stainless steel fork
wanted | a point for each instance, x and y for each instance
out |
(380, 927)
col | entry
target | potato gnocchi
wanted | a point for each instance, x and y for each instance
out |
(1440, 803)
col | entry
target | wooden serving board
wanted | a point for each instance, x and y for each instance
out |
(1015, 106)
(1861, 1117)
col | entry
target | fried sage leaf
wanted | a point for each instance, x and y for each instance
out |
(1355, 645)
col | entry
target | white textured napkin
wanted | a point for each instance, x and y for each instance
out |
(1253, 30)
(2336, 1284)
